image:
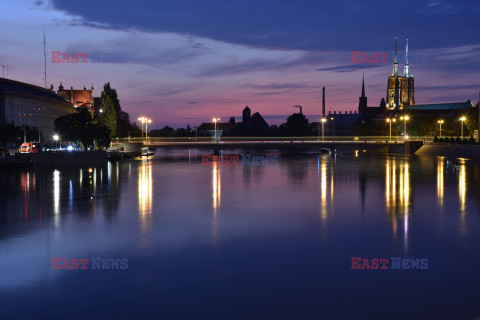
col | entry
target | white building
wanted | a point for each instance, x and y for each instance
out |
(25, 104)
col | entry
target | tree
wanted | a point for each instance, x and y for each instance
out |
(102, 137)
(80, 127)
(472, 119)
(112, 115)
(109, 115)
(297, 125)
(164, 132)
(11, 135)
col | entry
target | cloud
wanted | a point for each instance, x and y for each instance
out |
(301, 24)
(276, 86)
(352, 67)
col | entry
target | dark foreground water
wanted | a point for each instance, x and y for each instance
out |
(274, 241)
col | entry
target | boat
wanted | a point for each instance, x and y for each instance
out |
(325, 151)
(146, 152)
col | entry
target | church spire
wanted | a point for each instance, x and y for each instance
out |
(395, 61)
(406, 73)
(362, 101)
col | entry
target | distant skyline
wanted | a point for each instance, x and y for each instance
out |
(189, 61)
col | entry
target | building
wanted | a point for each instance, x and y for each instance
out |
(207, 129)
(25, 104)
(445, 109)
(401, 98)
(79, 98)
(246, 114)
(341, 124)
(400, 89)
(364, 110)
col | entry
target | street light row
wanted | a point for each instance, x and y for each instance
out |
(146, 121)
(406, 118)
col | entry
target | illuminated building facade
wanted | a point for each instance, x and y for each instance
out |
(25, 104)
(400, 89)
(79, 98)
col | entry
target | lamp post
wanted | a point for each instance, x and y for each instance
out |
(390, 122)
(323, 128)
(215, 122)
(333, 128)
(440, 123)
(147, 121)
(462, 120)
(56, 137)
(405, 118)
(142, 120)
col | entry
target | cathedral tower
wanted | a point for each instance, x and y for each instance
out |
(400, 89)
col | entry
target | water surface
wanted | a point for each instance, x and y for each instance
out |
(243, 242)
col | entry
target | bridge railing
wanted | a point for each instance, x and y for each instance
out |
(270, 139)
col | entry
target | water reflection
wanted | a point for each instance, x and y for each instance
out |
(216, 197)
(462, 190)
(145, 191)
(56, 197)
(440, 180)
(323, 191)
(398, 195)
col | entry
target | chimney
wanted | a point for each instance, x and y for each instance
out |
(478, 129)
(323, 101)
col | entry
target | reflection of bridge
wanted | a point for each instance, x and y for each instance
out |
(380, 144)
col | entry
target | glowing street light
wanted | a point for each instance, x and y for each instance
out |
(146, 121)
(333, 127)
(215, 122)
(440, 122)
(462, 120)
(142, 120)
(390, 122)
(323, 128)
(56, 137)
(405, 118)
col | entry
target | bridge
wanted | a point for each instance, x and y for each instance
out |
(378, 144)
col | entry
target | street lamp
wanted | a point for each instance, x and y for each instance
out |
(390, 122)
(462, 120)
(147, 121)
(333, 127)
(56, 137)
(405, 118)
(142, 120)
(323, 128)
(215, 122)
(440, 123)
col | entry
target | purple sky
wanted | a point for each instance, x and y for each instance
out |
(188, 61)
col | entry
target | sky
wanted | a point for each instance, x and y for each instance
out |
(187, 61)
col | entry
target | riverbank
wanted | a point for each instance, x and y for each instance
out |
(471, 151)
(63, 158)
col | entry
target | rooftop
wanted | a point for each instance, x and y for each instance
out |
(442, 106)
(26, 88)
